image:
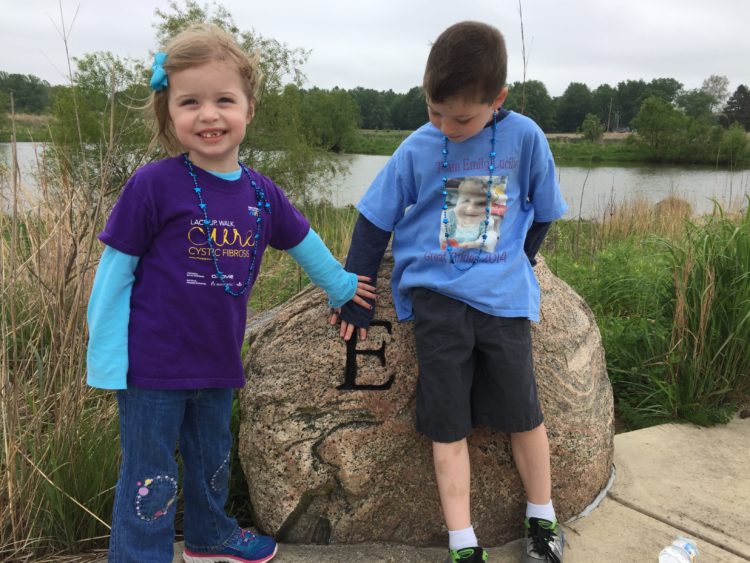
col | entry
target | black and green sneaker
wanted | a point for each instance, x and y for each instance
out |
(468, 555)
(544, 541)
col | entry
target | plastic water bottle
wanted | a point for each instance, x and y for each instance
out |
(682, 550)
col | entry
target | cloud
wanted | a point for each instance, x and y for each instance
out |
(384, 44)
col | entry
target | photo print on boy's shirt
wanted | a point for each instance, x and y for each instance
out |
(467, 211)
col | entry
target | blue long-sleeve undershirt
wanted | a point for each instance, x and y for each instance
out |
(108, 317)
(324, 270)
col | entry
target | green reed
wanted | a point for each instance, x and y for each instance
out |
(709, 360)
(669, 292)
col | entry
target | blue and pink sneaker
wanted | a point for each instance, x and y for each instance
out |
(245, 547)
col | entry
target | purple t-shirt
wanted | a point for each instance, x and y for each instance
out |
(185, 331)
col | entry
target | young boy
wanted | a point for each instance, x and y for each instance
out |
(471, 307)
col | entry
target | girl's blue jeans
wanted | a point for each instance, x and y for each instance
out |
(152, 423)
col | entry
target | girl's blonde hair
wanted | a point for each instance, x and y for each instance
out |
(194, 46)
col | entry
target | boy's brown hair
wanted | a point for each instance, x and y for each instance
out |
(469, 61)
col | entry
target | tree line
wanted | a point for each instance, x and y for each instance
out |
(615, 106)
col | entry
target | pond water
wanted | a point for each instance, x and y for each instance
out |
(27, 164)
(589, 191)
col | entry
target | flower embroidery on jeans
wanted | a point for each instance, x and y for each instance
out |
(154, 497)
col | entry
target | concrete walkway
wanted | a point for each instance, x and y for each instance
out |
(670, 480)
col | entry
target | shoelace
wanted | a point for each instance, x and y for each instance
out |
(540, 539)
(246, 536)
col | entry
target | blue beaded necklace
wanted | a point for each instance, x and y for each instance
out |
(491, 169)
(263, 205)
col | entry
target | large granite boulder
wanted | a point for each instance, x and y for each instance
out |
(327, 438)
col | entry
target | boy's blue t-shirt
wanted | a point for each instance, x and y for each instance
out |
(406, 198)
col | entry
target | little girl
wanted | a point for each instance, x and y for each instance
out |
(168, 308)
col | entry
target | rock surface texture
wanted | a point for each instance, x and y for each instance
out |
(327, 437)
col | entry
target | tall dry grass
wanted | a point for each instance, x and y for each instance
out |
(58, 446)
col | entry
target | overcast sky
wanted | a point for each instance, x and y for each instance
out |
(383, 44)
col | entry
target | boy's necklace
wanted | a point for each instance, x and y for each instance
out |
(263, 205)
(491, 169)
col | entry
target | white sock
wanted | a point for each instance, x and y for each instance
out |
(543, 511)
(459, 539)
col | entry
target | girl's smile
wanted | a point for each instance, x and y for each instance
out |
(210, 112)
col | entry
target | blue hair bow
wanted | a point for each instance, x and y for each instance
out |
(159, 75)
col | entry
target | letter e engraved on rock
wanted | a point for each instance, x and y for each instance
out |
(350, 371)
